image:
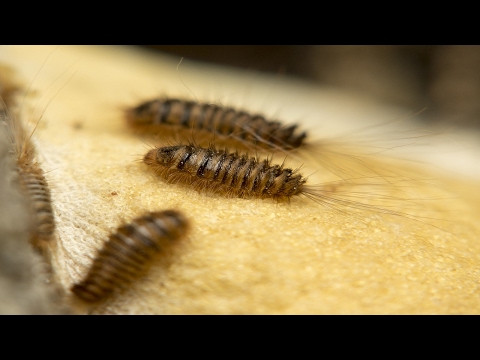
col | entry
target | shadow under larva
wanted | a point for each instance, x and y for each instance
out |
(129, 253)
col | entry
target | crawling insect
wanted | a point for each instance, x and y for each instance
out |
(31, 178)
(36, 187)
(225, 123)
(226, 173)
(129, 253)
(234, 175)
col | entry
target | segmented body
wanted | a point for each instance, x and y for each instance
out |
(35, 186)
(224, 172)
(221, 121)
(30, 174)
(129, 252)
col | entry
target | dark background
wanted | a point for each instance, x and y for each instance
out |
(445, 79)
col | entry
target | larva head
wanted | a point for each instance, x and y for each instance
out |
(164, 156)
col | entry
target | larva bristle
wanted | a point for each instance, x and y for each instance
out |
(35, 185)
(224, 123)
(129, 253)
(227, 173)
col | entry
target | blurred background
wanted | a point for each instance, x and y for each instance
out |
(444, 79)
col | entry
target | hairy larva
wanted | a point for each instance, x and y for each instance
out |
(129, 252)
(36, 187)
(225, 123)
(31, 178)
(234, 175)
(226, 172)
(25, 176)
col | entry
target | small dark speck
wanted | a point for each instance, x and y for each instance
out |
(77, 125)
(114, 193)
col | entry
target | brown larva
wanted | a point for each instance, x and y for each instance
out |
(32, 180)
(235, 175)
(35, 185)
(129, 252)
(225, 123)
(224, 172)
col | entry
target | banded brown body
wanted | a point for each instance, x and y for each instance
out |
(30, 174)
(224, 172)
(234, 175)
(223, 122)
(129, 253)
(35, 185)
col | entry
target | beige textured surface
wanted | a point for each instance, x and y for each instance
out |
(242, 256)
